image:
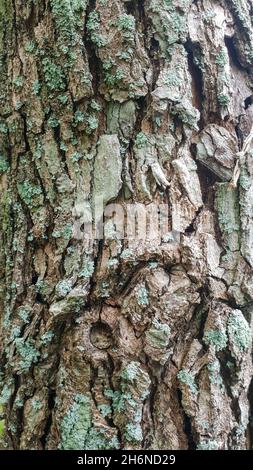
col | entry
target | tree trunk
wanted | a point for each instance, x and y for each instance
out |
(126, 336)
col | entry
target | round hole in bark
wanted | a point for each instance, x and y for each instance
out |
(101, 335)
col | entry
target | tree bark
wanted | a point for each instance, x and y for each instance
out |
(141, 342)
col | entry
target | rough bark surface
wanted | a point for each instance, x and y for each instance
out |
(135, 344)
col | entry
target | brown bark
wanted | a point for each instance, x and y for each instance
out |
(135, 343)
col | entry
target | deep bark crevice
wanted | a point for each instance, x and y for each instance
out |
(187, 424)
(193, 51)
(48, 424)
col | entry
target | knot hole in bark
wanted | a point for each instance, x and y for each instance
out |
(101, 335)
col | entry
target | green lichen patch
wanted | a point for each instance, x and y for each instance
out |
(227, 207)
(24, 314)
(92, 124)
(141, 140)
(95, 106)
(88, 269)
(208, 444)
(65, 232)
(223, 99)
(105, 410)
(54, 75)
(27, 352)
(221, 59)
(214, 373)
(187, 378)
(78, 431)
(126, 24)
(36, 87)
(127, 402)
(158, 335)
(47, 338)
(79, 117)
(93, 28)
(5, 394)
(169, 22)
(53, 122)
(112, 79)
(174, 78)
(133, 432)
(36, 404)
(100, 439)
(113, 262)
(18, 81)
(130, 372)
(30, 193)
(120, 400)
(187, 114)
(4, 165)
(216, 338)
(63, 287)
(127, 253)
(76, 424)
(68, 17)
(142, 296)
(245, 179)
(3, 128)
(30, 47)
(66, 58)
(239, 331)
